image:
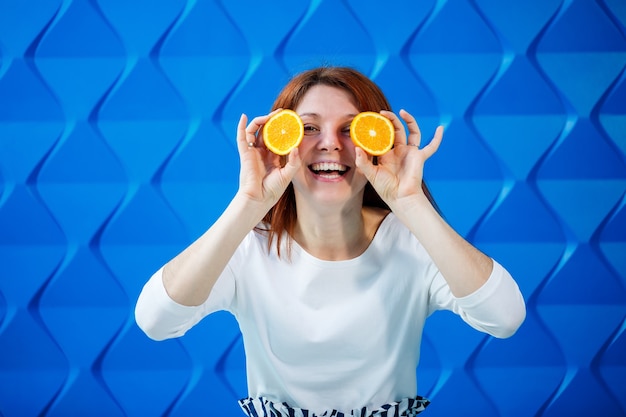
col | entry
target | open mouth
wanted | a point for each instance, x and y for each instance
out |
(329, 169)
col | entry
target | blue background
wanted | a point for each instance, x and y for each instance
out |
(117, 126)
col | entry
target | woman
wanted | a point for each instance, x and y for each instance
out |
(331, 262)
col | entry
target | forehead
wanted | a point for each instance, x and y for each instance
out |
(324, 97)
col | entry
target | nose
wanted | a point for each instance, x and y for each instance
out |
(330, 141)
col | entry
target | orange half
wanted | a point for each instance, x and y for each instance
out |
(283, 132)
(372, 132)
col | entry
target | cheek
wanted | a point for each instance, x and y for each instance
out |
(347, 142)
(349, 149)
(306, 145)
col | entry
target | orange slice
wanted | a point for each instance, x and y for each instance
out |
(372, 132)
(283, 132)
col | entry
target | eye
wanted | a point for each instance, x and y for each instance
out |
(346, 130)
(310, 130)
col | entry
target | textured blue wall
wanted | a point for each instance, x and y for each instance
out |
(117, 122)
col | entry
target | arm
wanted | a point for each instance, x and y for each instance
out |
(463, 266)
(172, 301)
(397, 179)
(496, 308)
(190, 276)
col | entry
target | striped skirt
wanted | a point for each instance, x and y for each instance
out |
(262, 407)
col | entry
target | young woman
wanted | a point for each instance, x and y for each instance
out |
(331, 262)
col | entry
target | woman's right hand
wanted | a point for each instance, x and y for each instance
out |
(262, 178)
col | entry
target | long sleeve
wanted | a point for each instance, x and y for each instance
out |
(159, 316)
(496, 308)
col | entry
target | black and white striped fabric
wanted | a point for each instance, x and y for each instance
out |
(262, 407)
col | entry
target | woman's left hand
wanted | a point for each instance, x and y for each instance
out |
(399, 172)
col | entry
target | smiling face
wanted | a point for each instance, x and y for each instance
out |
(329, 175)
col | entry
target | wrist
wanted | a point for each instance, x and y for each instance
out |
(411, 205)
(249, 210)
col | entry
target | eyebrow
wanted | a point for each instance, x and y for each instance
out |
(316, 115)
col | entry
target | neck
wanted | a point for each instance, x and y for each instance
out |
(335, 235)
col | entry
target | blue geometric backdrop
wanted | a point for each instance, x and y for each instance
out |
(117, 126)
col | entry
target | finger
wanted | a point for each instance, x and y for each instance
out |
(259, 121)
(364, 164)
(255, 129)
(399, 132)
(252, 131)
(415, 135)
(432, 147)
(256, 124)
(242, 142)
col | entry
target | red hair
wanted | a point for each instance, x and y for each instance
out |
(367, 96)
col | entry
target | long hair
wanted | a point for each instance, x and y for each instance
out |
(367, 97)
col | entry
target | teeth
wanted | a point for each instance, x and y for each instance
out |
(328, 166)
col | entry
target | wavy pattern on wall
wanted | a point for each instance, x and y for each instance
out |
(117, 149)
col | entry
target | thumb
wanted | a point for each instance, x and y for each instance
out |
(293, 163)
